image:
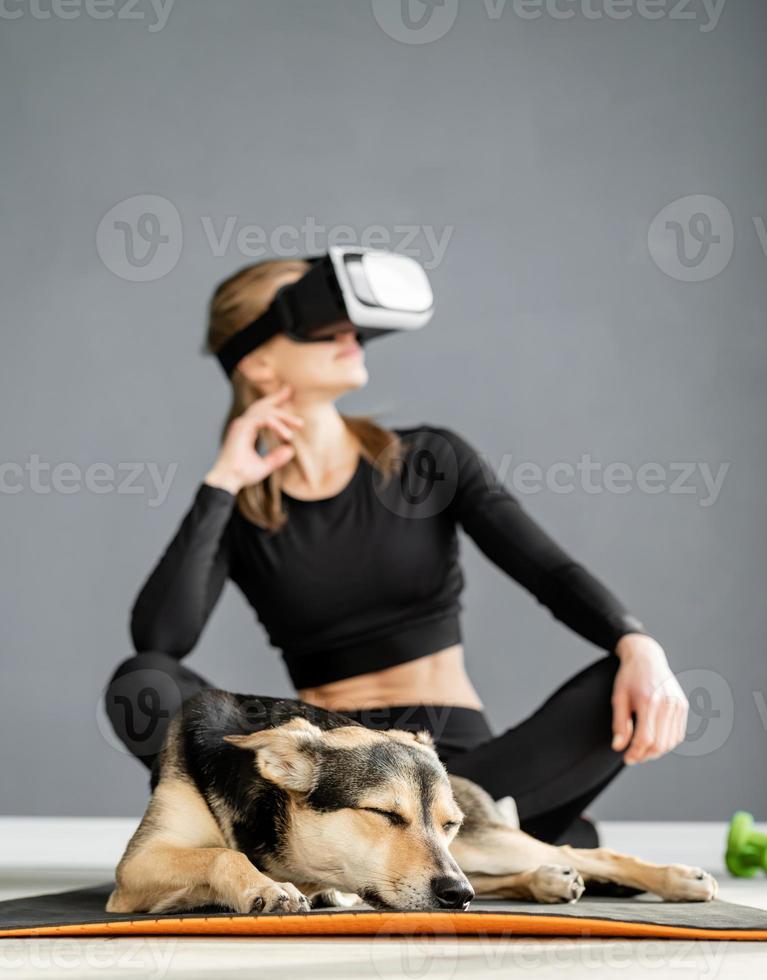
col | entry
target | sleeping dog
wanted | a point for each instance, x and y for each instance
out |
(274, 805)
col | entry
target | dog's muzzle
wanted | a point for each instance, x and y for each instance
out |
(451, 893)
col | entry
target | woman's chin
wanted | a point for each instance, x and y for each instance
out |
(333, 385)
(354, 379)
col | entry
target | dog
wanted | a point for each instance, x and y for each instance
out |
(264, 804)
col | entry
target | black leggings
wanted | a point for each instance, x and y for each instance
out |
(554, 763)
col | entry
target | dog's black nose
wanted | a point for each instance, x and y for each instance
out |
(452, 893)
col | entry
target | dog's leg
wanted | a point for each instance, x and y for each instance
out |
(499, 854)
(508, 863)
(672, 882)
(178, 858)
(159, 878)
(547, 883)
(507, 855)
(486, 849)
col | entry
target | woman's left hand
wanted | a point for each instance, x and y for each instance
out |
(646, 687)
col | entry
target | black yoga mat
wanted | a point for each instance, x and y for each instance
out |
(81, 912)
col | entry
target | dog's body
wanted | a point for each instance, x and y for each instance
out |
(263, 804)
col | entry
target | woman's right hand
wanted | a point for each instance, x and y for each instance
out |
(239, 464)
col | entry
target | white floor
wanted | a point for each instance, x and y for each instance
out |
(39, 854)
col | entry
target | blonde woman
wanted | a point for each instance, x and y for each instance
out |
(342, 536)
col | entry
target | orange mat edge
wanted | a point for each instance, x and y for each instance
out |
(386, 923)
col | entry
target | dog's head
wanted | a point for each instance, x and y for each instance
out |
(370, 812)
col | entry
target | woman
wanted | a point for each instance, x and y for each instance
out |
(342, 536)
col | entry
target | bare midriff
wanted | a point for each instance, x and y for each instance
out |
(438, 678)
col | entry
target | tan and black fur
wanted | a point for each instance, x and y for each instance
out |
(267, 804)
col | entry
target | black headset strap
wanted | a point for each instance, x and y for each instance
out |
(247, 339)
(260, 330)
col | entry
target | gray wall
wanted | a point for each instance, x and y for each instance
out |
(568, 324)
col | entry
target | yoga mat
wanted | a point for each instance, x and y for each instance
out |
(80, 912)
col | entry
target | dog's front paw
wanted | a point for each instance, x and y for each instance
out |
(684, 884)
(275, 896)
(556, 883)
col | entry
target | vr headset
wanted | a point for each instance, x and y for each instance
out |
(377, 291)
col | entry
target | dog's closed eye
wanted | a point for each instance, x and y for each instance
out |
(397, 820)
(391, 815)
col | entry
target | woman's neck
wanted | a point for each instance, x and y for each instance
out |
(326, 451)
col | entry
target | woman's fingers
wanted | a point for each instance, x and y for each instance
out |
(288, 417)
(278, 457)
(278, 426)
(654, 697)
(267, 403)
(680, 722)
(239, 463)
(622, 723)
(644, 732)
(265, 418)
(665, 727)
(675, 725)
(257, 414)
(661, 726)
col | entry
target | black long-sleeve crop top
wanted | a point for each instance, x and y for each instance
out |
(370, 577)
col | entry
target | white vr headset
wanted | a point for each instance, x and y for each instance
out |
(377, 291)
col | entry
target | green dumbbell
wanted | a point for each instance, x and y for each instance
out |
(746, 847)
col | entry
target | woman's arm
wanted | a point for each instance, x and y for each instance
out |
(511, 539)
(178, 597)
(649, 707)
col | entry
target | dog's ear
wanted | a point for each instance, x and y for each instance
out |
(420, 738)
(286, 755)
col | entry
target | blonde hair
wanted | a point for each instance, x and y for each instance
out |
(235, 303)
